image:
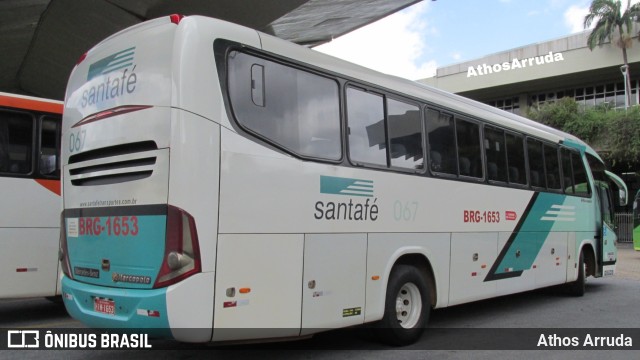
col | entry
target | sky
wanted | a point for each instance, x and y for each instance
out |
(414, 42)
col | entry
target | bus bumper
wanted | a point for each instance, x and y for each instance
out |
(132, 309)
(183, 311)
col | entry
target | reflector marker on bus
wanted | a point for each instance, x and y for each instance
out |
(149, 313)
(26, 269)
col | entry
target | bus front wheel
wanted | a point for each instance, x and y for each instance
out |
(407, 306)
(577, 288)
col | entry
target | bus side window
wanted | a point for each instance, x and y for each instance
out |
(49, 145)
(516, 159)
(536, 164)
(494, 147)
(567, 172)
(367, 134)
(442, 142)
(580, 180)
(552, 167)
(16, 142)
(405, 135)
(292, 108)
(469, 148)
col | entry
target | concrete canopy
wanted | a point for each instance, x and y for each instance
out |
(41, 40)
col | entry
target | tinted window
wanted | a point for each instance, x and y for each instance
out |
(536, 163)
(16, 142)
(405, 135)
(552, 167)
(567, 172)
(292, 108)
(442, 142)
(49, 145)
(580, 176)
(367, 135)
(469, 149)
(516, 172)
(494, 146)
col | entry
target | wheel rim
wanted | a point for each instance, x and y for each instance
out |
(408, 305)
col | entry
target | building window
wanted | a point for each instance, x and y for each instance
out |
(610, 95)
(511, 105)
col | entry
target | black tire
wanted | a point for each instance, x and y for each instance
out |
(407, 290)
(577, 288)
(55, 299)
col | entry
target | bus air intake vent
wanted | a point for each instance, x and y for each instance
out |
(114, 164)
(113, 151)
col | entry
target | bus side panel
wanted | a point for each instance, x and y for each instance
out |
(524, 282)
(334, 281)
(385, 249)
(191, 317)
(28, 261)
(258, 286)
(27, 204)
(472, 255)
(551, 260)
(29, 234)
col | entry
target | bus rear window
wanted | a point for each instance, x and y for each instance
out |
(294, 109)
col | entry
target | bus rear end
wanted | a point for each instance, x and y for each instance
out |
(130, 246)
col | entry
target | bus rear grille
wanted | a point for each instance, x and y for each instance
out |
(113, 165)
(116, 150)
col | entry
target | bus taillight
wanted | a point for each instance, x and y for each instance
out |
(182, 253)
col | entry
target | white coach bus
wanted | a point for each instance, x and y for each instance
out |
(222, 180)
(30, 206)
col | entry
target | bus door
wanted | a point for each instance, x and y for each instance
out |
(606, 239)
(607, 252)
(636, 222)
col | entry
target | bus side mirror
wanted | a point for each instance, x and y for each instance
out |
(623, 197)
(623, 193)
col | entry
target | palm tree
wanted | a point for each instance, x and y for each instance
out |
(609, 20)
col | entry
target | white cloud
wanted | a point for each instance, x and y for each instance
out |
(392, 45)
(574, 18)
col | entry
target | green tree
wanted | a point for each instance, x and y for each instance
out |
(610, 21)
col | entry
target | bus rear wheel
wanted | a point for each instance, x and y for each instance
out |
(407, 307)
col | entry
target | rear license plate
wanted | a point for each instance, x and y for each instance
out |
(104, 306)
